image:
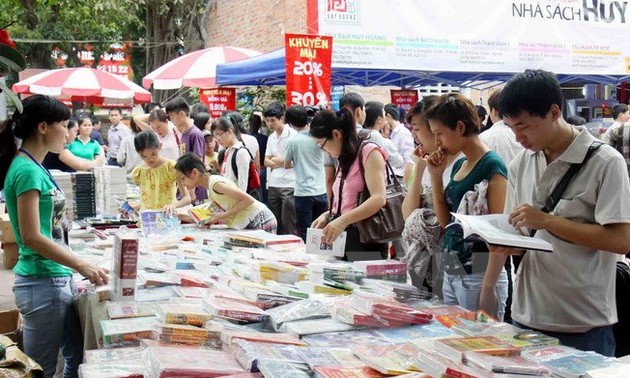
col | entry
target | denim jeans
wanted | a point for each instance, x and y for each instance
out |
(600, 340)
(307, 209)
(464, 290)
(50, 322)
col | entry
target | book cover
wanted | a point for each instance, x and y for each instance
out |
(436, 365)
(316, 245)
(205, 211)
(186, 334)
(385, 358)
(121, 310)
(155, 222)
(187, 314)
(127, 332)
(495, 229)
(248, 353)
(347, 372)
(232, 309)
(454, 348)
(323, 356)
(347, 339)
(313, 326)
(97, 356)
(166, 362)
(263, 238)
(126, 369)
(614, 371)
(505, 365)
(282, 369)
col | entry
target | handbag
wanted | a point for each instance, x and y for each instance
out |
(388, 223)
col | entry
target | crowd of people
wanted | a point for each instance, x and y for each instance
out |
(308, 173)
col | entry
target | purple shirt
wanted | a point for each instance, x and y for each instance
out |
(193, 141)
(115, 135)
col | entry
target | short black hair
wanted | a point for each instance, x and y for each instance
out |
(576, 120)
(296, 116)
(198, 107)
(618, 110)
(116, 109)
(452, 108)
(393, 111)
(420, 107)
(146, 139)
(177, 104)
(187, 162)
(201, 119)
(532, 91)
(275, 109)
(352, 101)
(373, 110)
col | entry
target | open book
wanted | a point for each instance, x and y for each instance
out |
(495, 229)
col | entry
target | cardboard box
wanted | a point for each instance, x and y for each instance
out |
(11, 325)
(6, 232)
(10, 255)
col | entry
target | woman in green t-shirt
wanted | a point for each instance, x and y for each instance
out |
(84, 146)
(36, 207)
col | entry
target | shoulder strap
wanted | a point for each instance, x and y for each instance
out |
(389, 171)
(233, 160)
(554, 197)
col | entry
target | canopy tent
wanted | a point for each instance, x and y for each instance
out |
(269, 69)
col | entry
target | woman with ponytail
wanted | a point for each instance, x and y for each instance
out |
(36, 208)
(336, 134)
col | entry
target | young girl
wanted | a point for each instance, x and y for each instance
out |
(228, 137)
(473, 278)
(156, 177)
(84, 146)
(242, 211)
(66, 161)
(36, 205)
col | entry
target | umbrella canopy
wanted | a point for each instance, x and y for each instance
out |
(83, 84)
(195, 69)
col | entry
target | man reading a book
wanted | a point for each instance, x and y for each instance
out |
(570, 293)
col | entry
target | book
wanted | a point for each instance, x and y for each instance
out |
(314, 326)
(614, 371)
(436, 365)
(121, 310)
(231, 309)
(346, 372)
(505, 365)
(496, 230)
(118, 369)
(454, 348)
(97, 356)
(263, 238)
(156, 222)
(248, 353)
(166, 362)
(127, 332)
(186, 334)
(316, 245)
(389, 359)
(188, 314)
(323, 356)
(204, 212)
(282, 369)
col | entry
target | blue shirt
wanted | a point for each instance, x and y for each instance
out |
(308, 165)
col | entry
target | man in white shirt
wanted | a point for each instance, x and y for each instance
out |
(500, 138)
(280, 181)
(570, 293)
(403, 140)
(621, 114)
(116, 133)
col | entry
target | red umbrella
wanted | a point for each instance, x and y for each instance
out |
(84, 84)
(195, 69)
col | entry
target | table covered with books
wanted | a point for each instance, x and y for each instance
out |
(199, 302)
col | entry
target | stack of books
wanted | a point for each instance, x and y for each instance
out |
(111, 188)
(84, 195)
(64, 180)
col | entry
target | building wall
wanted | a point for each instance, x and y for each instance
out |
(255, 24)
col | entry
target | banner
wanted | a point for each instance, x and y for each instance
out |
(117, 61)
(563, 36)
(404, 98)
(308, 59)
(218, 100)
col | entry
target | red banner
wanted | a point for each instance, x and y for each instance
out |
(404, 98)
(308, 59)
(117, 60)
(218, 100)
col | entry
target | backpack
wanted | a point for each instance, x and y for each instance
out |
(253, 181)
(622, 328)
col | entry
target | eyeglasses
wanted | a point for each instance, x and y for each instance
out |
(217, 136)
(321, 146)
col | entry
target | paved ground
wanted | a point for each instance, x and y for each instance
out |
(7, 301)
